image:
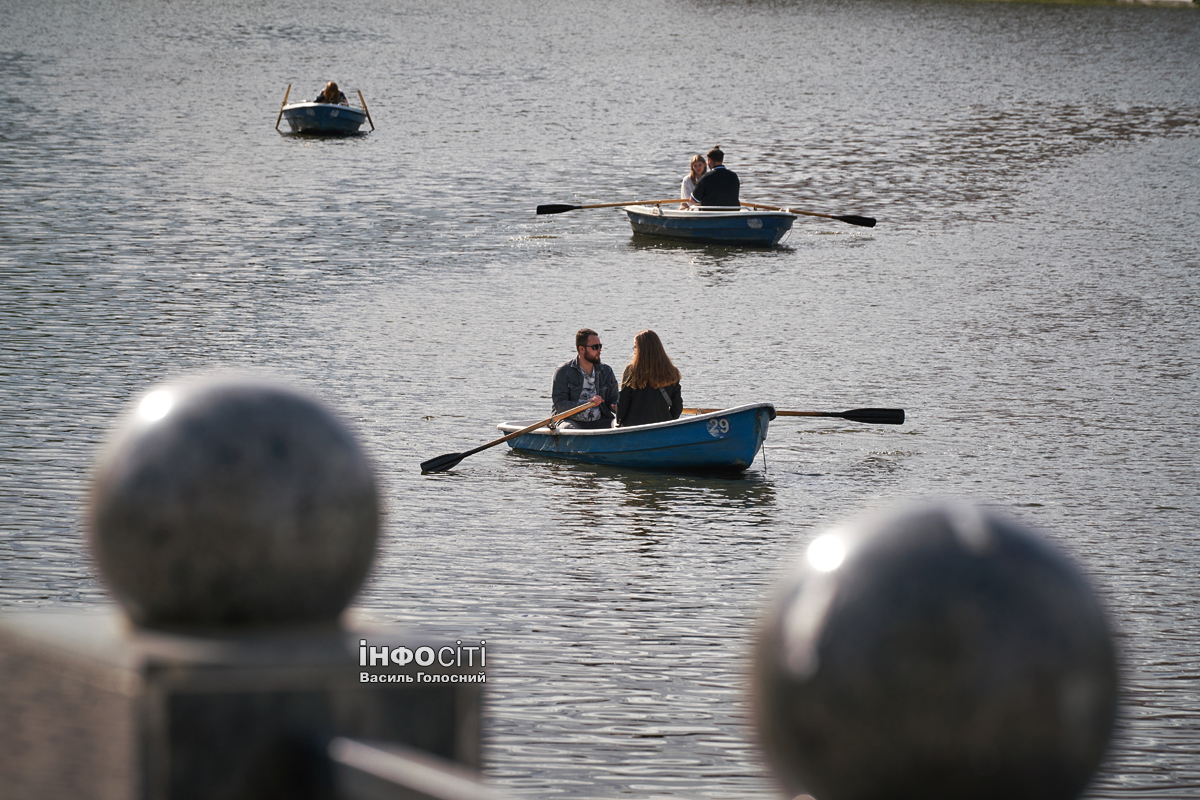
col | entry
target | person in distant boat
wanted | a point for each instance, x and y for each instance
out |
(695, 172)
(331, 94)
(719, 186)
(584, 378)
(650, 384)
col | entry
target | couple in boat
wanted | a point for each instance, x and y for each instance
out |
(649, 389)
(709, 184)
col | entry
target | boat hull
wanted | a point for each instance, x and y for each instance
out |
(724, 440)
(323, 118)
(744, 227)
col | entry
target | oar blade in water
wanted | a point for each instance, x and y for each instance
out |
(876, 416)
(555, 209)
(442, 463)
(866, 222)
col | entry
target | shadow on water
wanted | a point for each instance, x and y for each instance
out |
(655, 492)
(314, 136)
(654, 504)
(713, 263)
(581, 475)
(641, 241)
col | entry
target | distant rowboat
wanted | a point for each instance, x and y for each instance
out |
(735, 226)
(327, 119)
(725, 440)
(323, 118)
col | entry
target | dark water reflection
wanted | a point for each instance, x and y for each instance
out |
(1029, 297)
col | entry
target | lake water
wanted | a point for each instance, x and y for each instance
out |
(1030, 297)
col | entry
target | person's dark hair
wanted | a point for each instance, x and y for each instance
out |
(716, 155)
(650, 366)
(583, 335)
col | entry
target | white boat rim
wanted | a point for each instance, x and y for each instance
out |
(338, 106)
(683, 420)
(725, 212)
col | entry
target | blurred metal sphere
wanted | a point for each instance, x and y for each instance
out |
(226, 502)
(935, 652)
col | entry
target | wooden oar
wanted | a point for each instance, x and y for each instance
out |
(874, 416)
(443, 463)
(368, 113)
(281, 105)
(866, 222)
(558, 209)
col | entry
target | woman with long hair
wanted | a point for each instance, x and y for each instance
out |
(650, 384)
(696, 171)
(332, 95)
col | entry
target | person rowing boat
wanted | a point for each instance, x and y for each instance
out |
(584, 377)
(720, 185)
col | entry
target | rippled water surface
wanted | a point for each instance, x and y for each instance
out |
(1029, 296)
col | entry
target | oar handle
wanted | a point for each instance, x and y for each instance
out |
(533, 427)
(852, 219)
(365, 111)
(639, 203)
(777, 411)
(788, 210)
(808, 413)
(871, 416)
(281, 105)
(555, 208)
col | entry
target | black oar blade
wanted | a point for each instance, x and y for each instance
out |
(876, 416)
(442, 463)
(555, 209)
(866, 222)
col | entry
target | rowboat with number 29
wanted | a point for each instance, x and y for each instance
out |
(719, 441)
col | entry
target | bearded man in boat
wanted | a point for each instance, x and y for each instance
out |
(719, 186)
(584, 378)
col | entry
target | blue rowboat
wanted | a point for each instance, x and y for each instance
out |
(718, 441)
(324, 118)
(738, 226)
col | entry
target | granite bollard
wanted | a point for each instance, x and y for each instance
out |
(935, 652)
(230, 504)
(233, 521)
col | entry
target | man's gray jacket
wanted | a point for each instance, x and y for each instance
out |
(568, 385)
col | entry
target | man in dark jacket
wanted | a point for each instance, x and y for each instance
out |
(582, 379)
(719, 186)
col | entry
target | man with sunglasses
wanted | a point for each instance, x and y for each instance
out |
(584, 378)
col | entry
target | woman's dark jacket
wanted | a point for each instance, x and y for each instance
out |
(643, 406)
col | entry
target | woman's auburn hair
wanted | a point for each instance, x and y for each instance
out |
(650, 366)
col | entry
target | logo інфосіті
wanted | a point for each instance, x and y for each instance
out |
(449, 658)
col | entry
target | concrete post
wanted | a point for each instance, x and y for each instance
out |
(938, 652)
(233, 521)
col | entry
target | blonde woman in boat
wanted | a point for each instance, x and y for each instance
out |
(333, 95)
(696, 171)
(650, 384)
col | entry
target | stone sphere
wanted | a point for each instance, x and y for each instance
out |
(224, 503)
(934, 652)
